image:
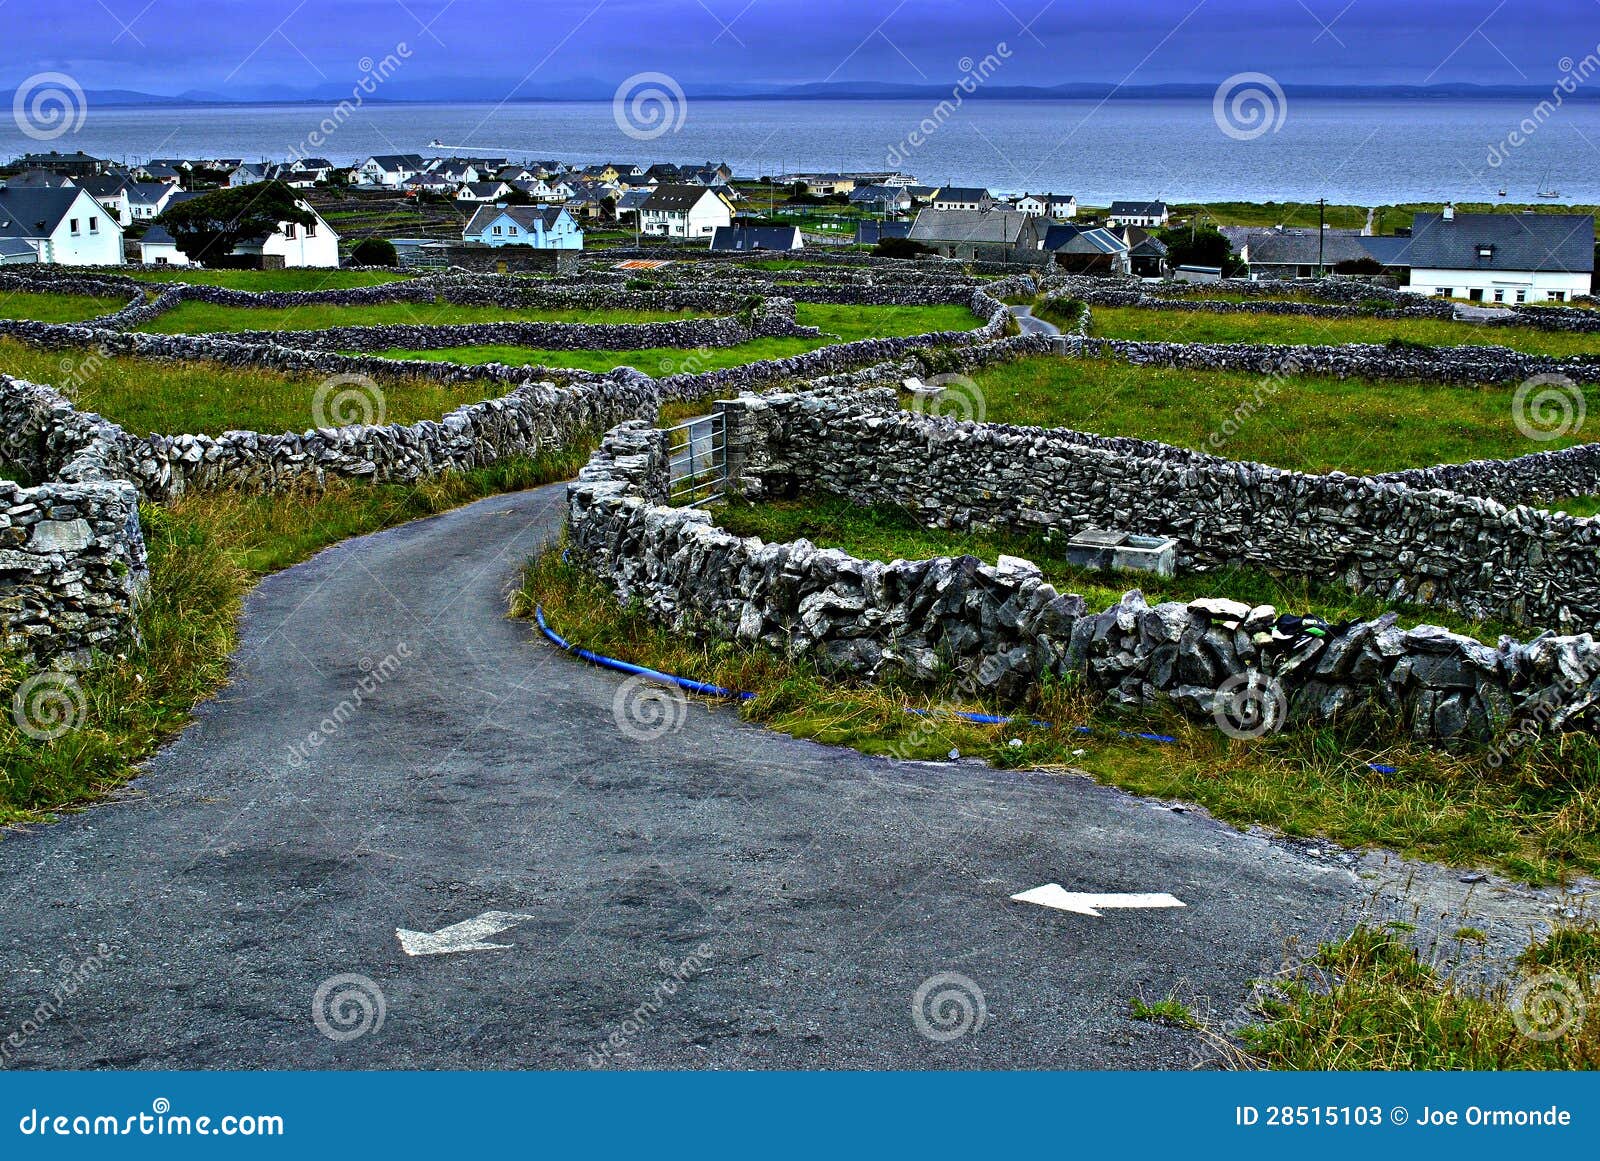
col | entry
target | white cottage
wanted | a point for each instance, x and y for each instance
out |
(62, 226)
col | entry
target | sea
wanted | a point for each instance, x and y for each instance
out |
(1347, 150)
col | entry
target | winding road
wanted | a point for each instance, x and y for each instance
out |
(718, 896)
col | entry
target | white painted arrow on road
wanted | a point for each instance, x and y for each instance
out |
(468, 935)
(1084, 903)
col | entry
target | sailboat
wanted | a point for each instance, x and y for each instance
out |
(1542, 192)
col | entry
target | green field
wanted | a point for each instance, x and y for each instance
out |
(1305, 423)
(57, 308)
(840, 324)
(1191, 326)
(259, 280)
(204, 317)
(200, 398)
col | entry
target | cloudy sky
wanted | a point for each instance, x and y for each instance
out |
(495, 48)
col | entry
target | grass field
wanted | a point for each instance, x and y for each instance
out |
(840, 324)
(1537, 816)
(1185, 326)
(1306, 423)
(206, 551)
(201, 398)
(56, 308)
(260, 280)
(204, 317)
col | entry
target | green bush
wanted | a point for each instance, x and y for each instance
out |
(374, 252)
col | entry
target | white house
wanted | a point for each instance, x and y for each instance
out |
(482, 191)
(112, 193)
(63, 226)
(389, 170)
(1501, 257)
(1150, 215)
(157, 248)
(314, 244)
(956, 197)
(248, 174)
(541, 227)
(1049, 205)
(683, 211)
(146, 199)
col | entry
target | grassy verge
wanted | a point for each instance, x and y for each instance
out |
(888, 533)
(1306, 423)
(1369, 1002)
(203, 317)
(1536, 816)
(208, 398)
(56, 308)
(1188, 326)
(205, 552)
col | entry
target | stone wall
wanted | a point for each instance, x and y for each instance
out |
(1375, 536)
(1001, 629)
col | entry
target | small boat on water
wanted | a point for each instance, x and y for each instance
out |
(1544, 191)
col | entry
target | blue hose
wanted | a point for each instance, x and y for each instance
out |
(707, 690)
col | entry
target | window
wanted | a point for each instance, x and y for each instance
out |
(289, 230)
(311, 229)
(1442, 291)
(1499, 296)
(512, 230)
(1485, 251)
(72, 225)
(497, 229)
(1522, 296)
(1558, 296)
(94, 225)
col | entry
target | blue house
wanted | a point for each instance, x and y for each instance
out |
(541, 227)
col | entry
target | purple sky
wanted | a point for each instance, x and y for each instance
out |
(492, 49)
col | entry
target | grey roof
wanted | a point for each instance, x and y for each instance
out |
(394, 161)
(676, 198)
(870, 233)
(33, 212)
(1389, 249)
(1548, 242)
(756, 238)
(1137, 209)
(483, 189)
(633, 199)
(524, 216)
(157, 236)
(148, 192)
(1296, 247)
(315, 163)
(12, 249)
(39, 179)
(962, 193)
(879, 193)
(1002, 226)
(103, 187)
(1074, 239)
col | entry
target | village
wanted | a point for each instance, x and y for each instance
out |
(491, 213)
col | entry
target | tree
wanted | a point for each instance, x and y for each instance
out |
(208, 227)
(374, 252)
(899, 248)
(1358, 266)
(1200, 246)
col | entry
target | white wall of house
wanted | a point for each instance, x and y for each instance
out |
(1511, 286)
(162, 254)
(700, 221)
(313, 245)
(87, 235)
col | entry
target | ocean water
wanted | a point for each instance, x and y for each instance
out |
(1364, 152)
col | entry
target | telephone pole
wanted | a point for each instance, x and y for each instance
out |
(1322, 231)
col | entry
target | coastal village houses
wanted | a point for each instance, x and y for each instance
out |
(982, 235)
(1501, 257)
(540, 227)
(1151, 215)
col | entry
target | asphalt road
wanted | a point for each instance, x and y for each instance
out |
(1030, 324)
(718, 896)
